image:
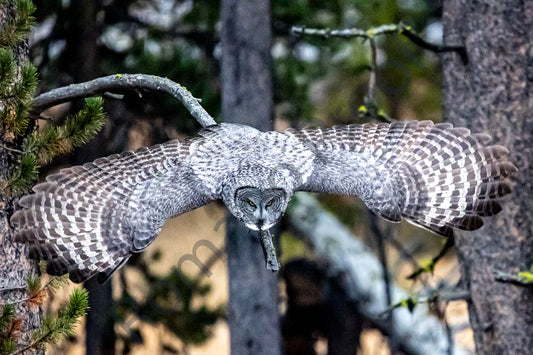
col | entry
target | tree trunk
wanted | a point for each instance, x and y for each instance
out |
(82, 62)
(15, 266)
(492, 93)
(247, 98)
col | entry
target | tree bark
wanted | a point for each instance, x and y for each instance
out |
(15, 266)
(492, 93)
(247, 98)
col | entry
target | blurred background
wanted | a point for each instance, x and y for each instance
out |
(318, 82)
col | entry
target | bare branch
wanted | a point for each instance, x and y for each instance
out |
(407, 31)
(372, 79)
(429, 267)
(416, 332)
(115, 82)
(518, 279)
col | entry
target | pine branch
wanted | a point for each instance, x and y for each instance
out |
(22, 178)
(42, 146)
(53, 329)
(7, 70)
(77, 131)
(80, 128)
(8, 313)
(7, 320)
(16, 97)
(8, 345)
(18, 28)
(37, 293)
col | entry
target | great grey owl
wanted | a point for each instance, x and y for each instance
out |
(89, 219)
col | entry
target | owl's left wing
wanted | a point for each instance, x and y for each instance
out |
(435, 175)
(87, 220)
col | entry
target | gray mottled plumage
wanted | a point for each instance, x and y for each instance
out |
(89, 219)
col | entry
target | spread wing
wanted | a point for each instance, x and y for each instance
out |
(87, 220)
(436, 176)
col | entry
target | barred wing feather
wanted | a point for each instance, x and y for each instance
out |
(434, 175)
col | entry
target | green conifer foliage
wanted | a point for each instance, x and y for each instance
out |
(19, 26)
(17, 89)
(55, 328)
(26, 147)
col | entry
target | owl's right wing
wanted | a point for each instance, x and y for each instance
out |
(87, 220)
(435, 175)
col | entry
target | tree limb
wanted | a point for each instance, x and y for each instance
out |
(407, 31)
(124, 81)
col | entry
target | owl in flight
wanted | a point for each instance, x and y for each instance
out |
(88, 220)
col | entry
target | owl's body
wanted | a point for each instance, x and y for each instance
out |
(89, 219)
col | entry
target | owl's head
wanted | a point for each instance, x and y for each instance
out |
(259, 209)
(258, 195)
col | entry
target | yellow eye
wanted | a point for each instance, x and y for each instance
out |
(251, 203)
(269, 203)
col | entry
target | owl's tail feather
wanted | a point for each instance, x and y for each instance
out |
(74, 231)
(451, 178)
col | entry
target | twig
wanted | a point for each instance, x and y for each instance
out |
(434, 297)
(461, 50)
(112, 95)
(51, 279)
(449, 244)
(449, 334)
(372, 78)
(502, 276)
(345, 33)
(382, 30)
(450, 296)
(11, 288)
(11, 149)
(380, 238)
(124, 81)
(270, 251)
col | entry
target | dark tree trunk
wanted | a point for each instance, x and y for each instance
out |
(15, 266)
(493, 94)
(83, 64)
(83, 32)
(247, 98)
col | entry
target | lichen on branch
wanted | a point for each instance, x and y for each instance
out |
(135, 82)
